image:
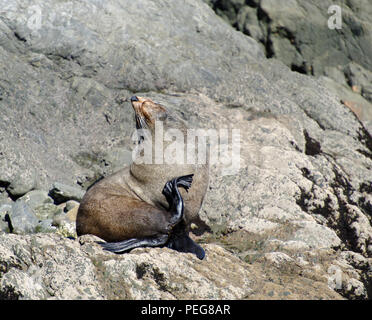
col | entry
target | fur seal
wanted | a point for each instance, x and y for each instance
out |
(146, 204)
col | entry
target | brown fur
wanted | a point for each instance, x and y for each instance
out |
(129, 203)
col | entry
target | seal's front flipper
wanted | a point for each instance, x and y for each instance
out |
(183, 243)
(169, 188)
(174, 198)
(126, 245)
(185, 181)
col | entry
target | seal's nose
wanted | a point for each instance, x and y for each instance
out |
(134, 98)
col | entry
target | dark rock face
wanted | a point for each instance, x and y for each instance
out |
(302, 197)
(297, 33)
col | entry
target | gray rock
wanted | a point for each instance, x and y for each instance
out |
(47, 266)
(316, 236)
(304, 44)
(367, 92)
(359, 77)
(70, 276)
(47, 211)
(296, 32)
(63, 193)
(22, 218)
(360, 106)
(46, 226)
(303, 187)
(35, 198)
(22, 183)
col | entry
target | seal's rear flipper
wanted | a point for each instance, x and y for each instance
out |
(183, 243)
(126, 245)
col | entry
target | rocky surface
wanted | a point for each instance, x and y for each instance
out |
(51, 267)
(294, 222)
(310, 45)
(297, 33)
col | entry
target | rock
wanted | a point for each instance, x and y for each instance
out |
(46, 226)
(88, 238)
(316, 236)
(22, 218)
(71, 214)
(71, 204)
(41, 204)
(70, 276)
(357, 109)
(278, 258)
(22, 183)
(66, 223)
(359, 77)
(51, 267)
(247, 22)
(93, 119)
(289, 37)
(47, 211)
(360, 106)
(300, 186)
(295, 246)
(5, 210)
(367, 92)
(35, 198)
(308, 45)
(354, 289)
(62, 193)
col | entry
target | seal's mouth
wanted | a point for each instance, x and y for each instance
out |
(140, 122)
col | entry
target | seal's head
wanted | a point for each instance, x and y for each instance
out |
(147, 112)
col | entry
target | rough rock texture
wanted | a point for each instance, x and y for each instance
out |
(304, 26)
(297, 33)
(294, 222)
(23, 218)
(51, 267)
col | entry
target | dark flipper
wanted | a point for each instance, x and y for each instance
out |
(169, 190)
(126, 245)
(180, 241)
(173, 196)
(185, 181)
